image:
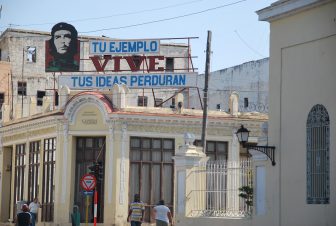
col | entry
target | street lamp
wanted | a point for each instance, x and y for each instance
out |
(243, 135)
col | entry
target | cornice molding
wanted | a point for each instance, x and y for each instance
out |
(284, 8)
(37, 124)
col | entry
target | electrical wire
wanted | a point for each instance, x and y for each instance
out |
(165, 19)
(247, 45)
(111, 16)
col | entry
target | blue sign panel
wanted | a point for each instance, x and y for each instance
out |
(164, 80)
(90, 193)
(104, 47)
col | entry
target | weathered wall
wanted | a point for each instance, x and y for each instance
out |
(249, 80)
(14, 43)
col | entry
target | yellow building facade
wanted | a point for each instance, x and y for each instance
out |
(45, 155)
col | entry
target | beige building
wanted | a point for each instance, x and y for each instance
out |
(5, 85)
(48, 141)
(301, 187)
(46, 154)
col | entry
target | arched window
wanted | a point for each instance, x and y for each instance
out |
(318, 136)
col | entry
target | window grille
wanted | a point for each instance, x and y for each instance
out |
(40, 95)
(19, 174)
(246, 102)
(318, 136)
(22, 88)
(152, 171)
(216, 150)
(34, 165)
(142, 101)
(48, 181)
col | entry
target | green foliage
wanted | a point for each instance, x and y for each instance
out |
(246, 192)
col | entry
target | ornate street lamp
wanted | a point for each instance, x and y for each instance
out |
(243, 135)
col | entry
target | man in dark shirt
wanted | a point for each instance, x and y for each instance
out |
(24, 218)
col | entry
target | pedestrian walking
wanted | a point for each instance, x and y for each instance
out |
(24, 218)
(162, 214)
(136, 211)
(33, 209)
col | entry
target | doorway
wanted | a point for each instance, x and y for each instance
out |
(88, 151)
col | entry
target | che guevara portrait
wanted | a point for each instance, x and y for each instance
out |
(62, 49)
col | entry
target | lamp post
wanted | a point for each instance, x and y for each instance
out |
(243, 135)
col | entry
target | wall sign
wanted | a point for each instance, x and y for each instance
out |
(145, 46)
(157, 80)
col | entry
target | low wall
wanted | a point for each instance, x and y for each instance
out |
(213, 221)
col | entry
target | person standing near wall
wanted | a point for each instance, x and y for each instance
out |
(33, 209)
(23, 218)
(162, 214)
(136, 211)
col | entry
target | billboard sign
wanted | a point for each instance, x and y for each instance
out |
(117, 47)
(62, 50)
(133, 81)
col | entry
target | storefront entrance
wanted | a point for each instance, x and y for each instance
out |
(88, 151)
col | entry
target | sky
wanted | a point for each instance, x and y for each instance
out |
(237, 35)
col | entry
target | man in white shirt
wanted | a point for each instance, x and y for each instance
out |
(162, 214)
(33, 209)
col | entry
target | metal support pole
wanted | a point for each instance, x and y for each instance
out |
(205, 95)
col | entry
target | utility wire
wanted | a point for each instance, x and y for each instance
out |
(165, 19)
(113, 15)
(247, 45)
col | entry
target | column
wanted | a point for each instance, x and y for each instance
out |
(187, 157)
(122, 163)
(233, 176)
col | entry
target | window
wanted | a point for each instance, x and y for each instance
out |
(142, 101)
(31, 54)
(2, 100)
(22, 88)
(158, 102)
(170, 64)
(33, 174)
(0, 54)
(216, 150)
(56, 98)
(152, 171)
(40, 95)
(318, 139)
(19, 174)
(246, 102)
(48, 181)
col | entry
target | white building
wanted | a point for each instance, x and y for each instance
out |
(249, 80)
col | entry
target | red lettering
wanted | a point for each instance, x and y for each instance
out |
(134, 62)
(116, 63)
(96, 62)
(153, 62)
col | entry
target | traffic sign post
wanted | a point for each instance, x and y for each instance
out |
(88, 182)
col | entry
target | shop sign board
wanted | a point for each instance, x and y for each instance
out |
(135, 81)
